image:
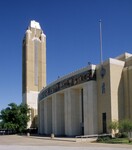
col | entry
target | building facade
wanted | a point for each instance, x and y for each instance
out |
(83, 102)
(68, 105)
(86, 101)
(33, 67)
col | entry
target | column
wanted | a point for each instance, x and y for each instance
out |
(58, 114)
(41, 117)
(45, 117)
(90, 108)
(72, 112)
(48, 116)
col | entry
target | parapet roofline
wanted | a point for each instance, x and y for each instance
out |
(34, 24)
(89, 67)
(124, 56)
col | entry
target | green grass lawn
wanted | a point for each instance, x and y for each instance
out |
(113, 140)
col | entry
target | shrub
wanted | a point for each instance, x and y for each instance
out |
(124, 135)
(114, 125)
(103, 139)
(125, 126)
(118, 135)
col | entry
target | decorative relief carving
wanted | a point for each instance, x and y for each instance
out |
(69, 82)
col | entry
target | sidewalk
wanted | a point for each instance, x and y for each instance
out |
(35, 142)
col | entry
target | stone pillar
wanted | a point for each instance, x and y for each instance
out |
(72, 112)
(48, 116)
(39, 114)
(58, 114)
(41, 117)
(90, 108)
(45, 117)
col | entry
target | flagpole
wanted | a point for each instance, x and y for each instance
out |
(101, 55)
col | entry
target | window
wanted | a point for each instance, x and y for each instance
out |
(36, 61)
(103, 88)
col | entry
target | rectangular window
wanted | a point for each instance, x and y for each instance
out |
(103, 88)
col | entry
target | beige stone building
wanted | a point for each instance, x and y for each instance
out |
(86, 101)
(83, 102)
(33, 67)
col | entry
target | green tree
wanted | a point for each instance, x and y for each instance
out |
(15, 117)
(126, 125)
(114, 125)
(1, 125)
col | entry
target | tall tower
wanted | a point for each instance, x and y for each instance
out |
(33, 67)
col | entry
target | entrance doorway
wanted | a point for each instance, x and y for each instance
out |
(104, 124)
(82, 126)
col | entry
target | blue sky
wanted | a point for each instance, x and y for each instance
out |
(72, 30)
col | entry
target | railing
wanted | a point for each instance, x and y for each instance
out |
(93, 135)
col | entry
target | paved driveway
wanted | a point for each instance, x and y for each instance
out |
(14, 142)
(56, 148)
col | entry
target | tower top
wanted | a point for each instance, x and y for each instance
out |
(34, 24)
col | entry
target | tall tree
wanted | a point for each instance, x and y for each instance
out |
(15, 117)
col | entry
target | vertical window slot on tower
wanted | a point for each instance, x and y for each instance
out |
(36, 61)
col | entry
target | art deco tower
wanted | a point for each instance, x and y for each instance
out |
(33, 67)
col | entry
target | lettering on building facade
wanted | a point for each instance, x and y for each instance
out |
(69, 82)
